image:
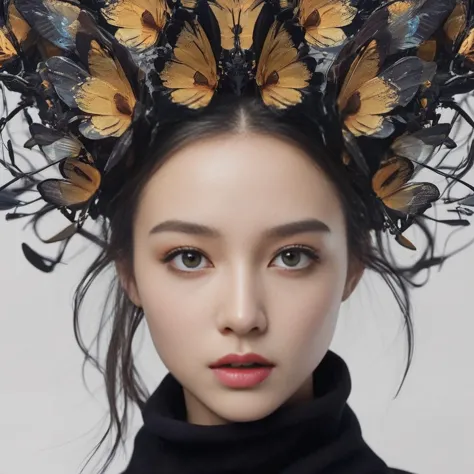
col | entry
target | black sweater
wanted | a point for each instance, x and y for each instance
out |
(321, 436)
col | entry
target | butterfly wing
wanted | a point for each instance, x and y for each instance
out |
(420, 145)
(139, 22)
(390, 185)
(393, 174)
(54, 144)
(54, 20)
(281, 75)
(106, 94)
(65, 75)
(83, 181)
(17, 24)
(415, 21)
(428, 50)
(467, 47)
(413, 199)
(456, 23)
(364, 113)
(408, 23)
(7, 50)
(456, 26)
(365, 67)
(323, 21)
(192, 72)
(236, 19)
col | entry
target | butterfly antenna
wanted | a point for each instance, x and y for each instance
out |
(27, 175)
(447, 176)
(449, 104)
(23, 105)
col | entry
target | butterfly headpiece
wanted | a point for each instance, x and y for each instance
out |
(371, 78)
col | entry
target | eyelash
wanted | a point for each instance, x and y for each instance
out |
(308, 251)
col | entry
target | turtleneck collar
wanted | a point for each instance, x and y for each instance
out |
(321, 435)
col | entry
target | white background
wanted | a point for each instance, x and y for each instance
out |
(49, 422)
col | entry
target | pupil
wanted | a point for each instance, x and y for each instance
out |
(293, 253)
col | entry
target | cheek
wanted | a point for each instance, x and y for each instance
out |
(166, 312)
(311, 311)
(173, 308)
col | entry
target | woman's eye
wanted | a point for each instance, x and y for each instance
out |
(191, 258)
(293, 258)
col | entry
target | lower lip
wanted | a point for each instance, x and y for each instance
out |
(242, 378)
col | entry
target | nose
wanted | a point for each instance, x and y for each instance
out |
(242, 309)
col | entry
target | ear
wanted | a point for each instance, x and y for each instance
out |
(354, 274)
(128, 284)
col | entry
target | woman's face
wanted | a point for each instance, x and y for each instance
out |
(241, 285)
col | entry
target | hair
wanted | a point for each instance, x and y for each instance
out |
(246, 116)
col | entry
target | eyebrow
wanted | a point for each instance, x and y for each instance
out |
(281, 231)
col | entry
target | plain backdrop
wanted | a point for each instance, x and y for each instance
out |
(49, 421)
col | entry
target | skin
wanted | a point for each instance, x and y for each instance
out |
(240, 292)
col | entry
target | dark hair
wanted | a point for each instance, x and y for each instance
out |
(119, 371)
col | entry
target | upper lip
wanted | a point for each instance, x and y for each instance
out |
(241, 359)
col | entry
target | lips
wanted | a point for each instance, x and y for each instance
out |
(246, 360)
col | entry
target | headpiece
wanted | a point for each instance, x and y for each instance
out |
(370, 77)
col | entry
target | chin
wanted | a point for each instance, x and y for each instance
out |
(244, 407)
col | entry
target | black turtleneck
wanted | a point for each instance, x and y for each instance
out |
(320, 436)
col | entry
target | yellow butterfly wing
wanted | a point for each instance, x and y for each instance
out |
(19, 27)
(364, 68)
(236, 18)
(323, 21)
(390, 185)
(83, 181)
(107, 95)
(192, 72)
(467, 47)
(82, 175)
(7, 50)
(281, 75)
(412, 198)
(373, 99)
(391, 176)
(399, 8)
(139, 22)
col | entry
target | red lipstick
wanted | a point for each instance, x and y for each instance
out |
(242, 371)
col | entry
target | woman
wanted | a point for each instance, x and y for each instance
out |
(246, 161)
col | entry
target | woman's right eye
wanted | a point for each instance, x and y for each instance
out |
(190, 256)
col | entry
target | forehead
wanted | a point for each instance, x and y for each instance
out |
(241, 179)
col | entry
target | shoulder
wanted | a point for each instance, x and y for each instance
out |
(399, 471)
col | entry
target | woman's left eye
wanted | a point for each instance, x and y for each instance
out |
(291, 257)
(290, 253)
